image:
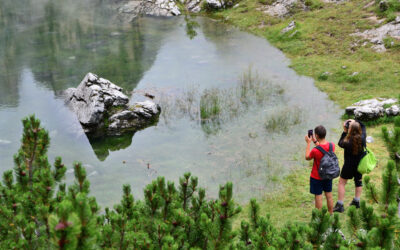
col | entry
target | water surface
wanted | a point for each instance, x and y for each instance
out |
(49, 47)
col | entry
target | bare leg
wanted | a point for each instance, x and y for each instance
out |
(341, 188)
(358, 192)
(318, 201)
(329, 201)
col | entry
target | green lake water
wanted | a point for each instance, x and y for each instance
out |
(49, 46)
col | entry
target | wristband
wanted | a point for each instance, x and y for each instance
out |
(315, 142)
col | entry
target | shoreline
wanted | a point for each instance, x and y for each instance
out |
(293, 201)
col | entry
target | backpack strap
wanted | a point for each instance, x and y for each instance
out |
(321, 149)
(330, 147)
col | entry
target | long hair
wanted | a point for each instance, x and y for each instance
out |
(354, 137)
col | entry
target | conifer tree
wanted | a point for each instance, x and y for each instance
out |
(392, 139)
(39, 211)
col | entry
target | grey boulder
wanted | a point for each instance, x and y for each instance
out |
(102, 108)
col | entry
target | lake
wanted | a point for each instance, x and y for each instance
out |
(256, 138)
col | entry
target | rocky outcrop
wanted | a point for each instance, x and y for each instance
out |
(215, 4)
(102, 108)
(193, 6)
(129, 10)
(282, 8)
(372, 109)
(376, 36)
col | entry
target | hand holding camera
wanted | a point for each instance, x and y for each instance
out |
(310, 137)
(346, 125)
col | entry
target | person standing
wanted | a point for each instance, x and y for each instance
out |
(317, 185)
(353, 141)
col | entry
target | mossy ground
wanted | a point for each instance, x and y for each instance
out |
(322, 42)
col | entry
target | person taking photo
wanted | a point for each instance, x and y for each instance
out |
(317, 185)
(353, 141)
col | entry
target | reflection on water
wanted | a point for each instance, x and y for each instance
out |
(49, 46)
(62, 41)
(103, 146)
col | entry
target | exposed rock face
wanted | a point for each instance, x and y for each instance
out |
(102, 108)
(376, 36)
(373, 108)
(281, 8)
(193, 6)
(131, 9)
(215, 4)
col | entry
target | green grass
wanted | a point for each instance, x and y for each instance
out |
(322, 42)
(295, 203)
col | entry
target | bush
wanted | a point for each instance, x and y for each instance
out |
(313, 4)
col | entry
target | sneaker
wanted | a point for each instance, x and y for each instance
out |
(355, 203)
(338, 208)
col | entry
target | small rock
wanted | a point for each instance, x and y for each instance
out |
(354, 74)
(294, 33)
(344, 67)
(236, 5)
(370, 139)
(290, 26)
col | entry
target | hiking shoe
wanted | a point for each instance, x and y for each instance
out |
(355, 203)
(338, 208)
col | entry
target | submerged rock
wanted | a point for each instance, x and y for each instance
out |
(102, 108)
(373, 108)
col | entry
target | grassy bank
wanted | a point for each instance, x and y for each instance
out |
(322, 42)
(295, 203)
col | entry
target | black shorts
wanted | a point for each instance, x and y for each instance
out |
(317, 186)
(349, 172)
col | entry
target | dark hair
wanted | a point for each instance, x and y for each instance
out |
(320, 131)
(354, 136)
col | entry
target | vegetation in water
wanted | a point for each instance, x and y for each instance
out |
(39, 211)
(213, 107)
(282, 119)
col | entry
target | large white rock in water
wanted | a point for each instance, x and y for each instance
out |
(373, 108)
(102, 108)
(129, 10)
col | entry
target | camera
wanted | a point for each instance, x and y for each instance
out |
(310, 133)
(347, 125)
